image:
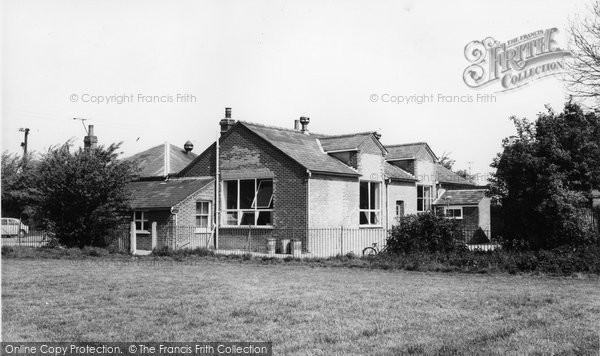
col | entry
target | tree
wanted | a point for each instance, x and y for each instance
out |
(465, 174)
(446, 161)
(81, 195)
(584, 68)
(426, 232)
(18, 192)
(544, 177)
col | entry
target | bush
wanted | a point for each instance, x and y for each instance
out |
(428, 232)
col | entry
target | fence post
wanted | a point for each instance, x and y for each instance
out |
(132, 237)
(341, 240)
(154, 237)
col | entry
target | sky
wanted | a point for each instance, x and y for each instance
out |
(175, 65)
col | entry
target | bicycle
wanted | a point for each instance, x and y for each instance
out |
(373, 250)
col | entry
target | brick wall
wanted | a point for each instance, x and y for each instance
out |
(333, 202)
(404, 191)
(187, 208)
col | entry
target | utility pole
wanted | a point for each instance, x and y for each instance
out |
(24, 143)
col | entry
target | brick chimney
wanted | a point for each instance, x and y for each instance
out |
(297, 125)
(227, 122)
(304, 122)
(90, 141)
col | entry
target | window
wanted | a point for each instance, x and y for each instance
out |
(203, 215)
(399, 209)
(248, 202)
(424, 198)
(453, 212)
(370, 209)
(141, 221)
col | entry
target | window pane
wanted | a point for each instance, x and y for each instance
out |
(138, 215)
(364, 195)
(247, 193)
(247, 218)
(231, 218)
(364, 218)
(374, 199)
(419, 191)
(138, 225)
(264, 218)
(231, 194)
(374, 218)
(265, 194)
(198, 208)
(419, 204)
(202, 221)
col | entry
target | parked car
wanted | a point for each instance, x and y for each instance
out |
(13, 227)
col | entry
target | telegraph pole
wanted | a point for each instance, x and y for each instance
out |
(24, 143)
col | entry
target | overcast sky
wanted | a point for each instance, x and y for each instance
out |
(272, 62)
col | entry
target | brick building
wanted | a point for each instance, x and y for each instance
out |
(291, 183)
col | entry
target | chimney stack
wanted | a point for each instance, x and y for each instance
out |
(297, 125)
(227, 122)
(304, 121)
(90, 141)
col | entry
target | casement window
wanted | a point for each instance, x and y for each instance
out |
(453, 212)
(203, 220)
(424, 198)
(370, 205)
(141, 221)
(248, 202)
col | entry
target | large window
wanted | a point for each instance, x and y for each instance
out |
(203, 220)
(248, 202)
(141, 221)
(370, 207)
(424, 198)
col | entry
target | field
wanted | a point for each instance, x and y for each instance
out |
(303, 310)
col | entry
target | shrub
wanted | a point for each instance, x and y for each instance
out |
(425, 232)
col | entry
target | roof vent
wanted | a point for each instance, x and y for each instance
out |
(188, 146)
(304, 122)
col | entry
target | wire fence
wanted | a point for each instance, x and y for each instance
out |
(34, 238)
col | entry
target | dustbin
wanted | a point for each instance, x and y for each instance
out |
(271, 245)
(285, 246)
(296, 248)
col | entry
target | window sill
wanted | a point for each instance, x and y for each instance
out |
(142, 232)
(370, 226)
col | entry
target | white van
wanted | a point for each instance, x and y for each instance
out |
(13, 227)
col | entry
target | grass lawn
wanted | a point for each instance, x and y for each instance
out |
(303, 310)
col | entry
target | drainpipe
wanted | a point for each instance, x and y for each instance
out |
(217, 206)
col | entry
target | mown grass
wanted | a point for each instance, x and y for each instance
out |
(302, 308)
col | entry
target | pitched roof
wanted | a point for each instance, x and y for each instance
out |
(408, 150)
(152, 161)
(398, 173)
(444, 175)
(347, 142)
(163, 194)
(302, 148)
(461, 197)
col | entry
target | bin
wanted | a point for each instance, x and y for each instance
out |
(271, 245)
(285, 246)
(297, 248)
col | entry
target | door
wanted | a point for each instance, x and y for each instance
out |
(399, 210)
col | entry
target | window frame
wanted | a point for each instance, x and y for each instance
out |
(370, 209)
(207, 214)
(454, 207)
(423, 199)
(254, 209)
(143, 221)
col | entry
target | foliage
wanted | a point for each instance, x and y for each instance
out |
(544, 176)
(584, 68)
(446, 161)
(82, 195)
(425, 232)
(18, 193)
